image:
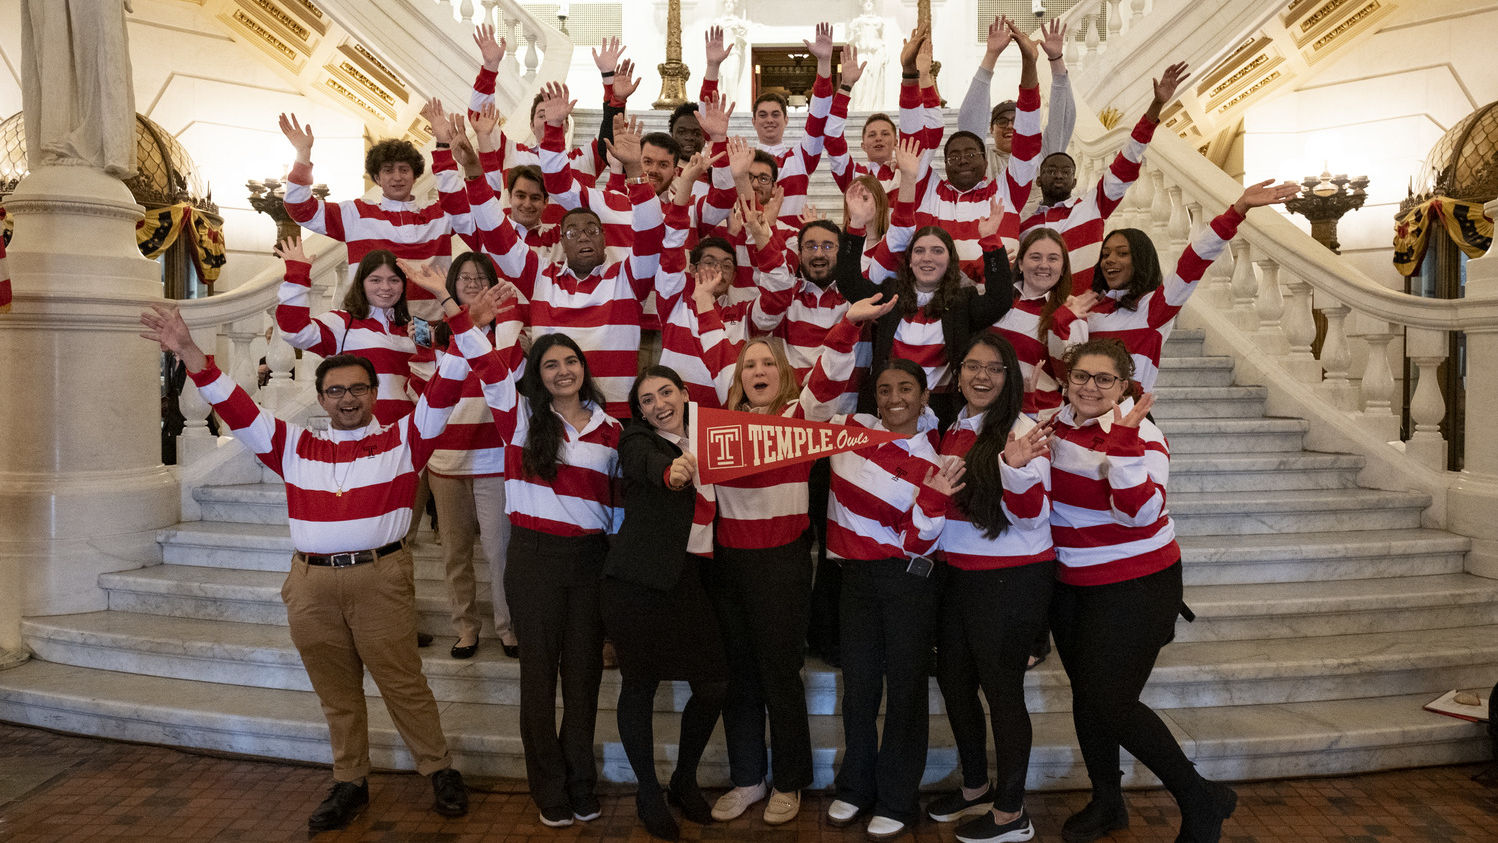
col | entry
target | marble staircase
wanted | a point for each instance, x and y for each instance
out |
(1327, 615)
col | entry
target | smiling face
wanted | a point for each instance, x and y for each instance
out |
(1088, 399)
(966, 164)
(981, 378)
(472, 282)
(395, 180)
(1041, 266)
(658, 165)
(879, 141)
(1057, 178)
(899, 399)
(762, 179)
(663, 405)
(769, 122)
(760, 375)
(347, 411)
(582, 243)
(1002, 130)
(383, 287)
(1116, 262)
(818, 253)
(527, 203)
(929, 260)
(715, 269)
(688, 132)
(561, 372)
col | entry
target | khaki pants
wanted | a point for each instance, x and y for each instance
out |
(346, 619)
(466, 505)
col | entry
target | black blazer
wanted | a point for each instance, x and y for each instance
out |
(652, 544)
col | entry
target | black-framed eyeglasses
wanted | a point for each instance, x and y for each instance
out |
(1104, 380)
(358, 390)
(761, 178)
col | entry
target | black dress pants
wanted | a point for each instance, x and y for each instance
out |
(822, 636)
(762, 599)
(888, 626)
(552, 586)
(988, 624)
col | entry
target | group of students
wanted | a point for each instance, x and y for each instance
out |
(1014, 350)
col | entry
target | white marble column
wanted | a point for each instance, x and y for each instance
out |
(1474, 497)
(81, 480)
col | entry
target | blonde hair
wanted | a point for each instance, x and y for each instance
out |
(790, 388)
(880, 223)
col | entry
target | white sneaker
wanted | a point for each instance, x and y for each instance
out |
(884, 828)
(783, 807)
(734, 803)
(841, 814)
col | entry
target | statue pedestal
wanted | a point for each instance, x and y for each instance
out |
(81, 481)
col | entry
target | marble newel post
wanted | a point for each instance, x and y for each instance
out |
(81, 481)
(1473, 499)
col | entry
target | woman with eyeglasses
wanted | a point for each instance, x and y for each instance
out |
(1000, 567)
(467, 478)
(372, 322)
(1118, 591)
(1136, 305)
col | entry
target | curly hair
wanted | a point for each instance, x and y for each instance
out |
(392, 151)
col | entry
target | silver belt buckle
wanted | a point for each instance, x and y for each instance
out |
(343, 560)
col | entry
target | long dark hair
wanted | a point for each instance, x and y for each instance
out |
(946, 288)
(357, 303)
(983, 495)
(441, 334)
(1058, 295)
(1146, 275)
(543, 445)
(653, 371)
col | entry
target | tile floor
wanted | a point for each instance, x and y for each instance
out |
(57, 788)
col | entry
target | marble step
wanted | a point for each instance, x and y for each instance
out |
(1196, 371)
(1321, 557)
(1184, 342)
(253, 546)
(1294, 511)
(1234, 436)
(1262, 472)
(1189, 673)
(1227, 743)
(1209, 402)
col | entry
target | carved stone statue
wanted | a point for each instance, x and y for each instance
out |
(735, 32)
(866, 32)
(76, 88)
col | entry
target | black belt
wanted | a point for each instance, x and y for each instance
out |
(354, 557)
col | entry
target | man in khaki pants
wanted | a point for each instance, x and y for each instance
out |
(350, 592)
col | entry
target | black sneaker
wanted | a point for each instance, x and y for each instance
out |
(344, 802)
(556, 817)
(985, 830)
(1098, 819)
(953, 806)
(449, 792)
(586, 809)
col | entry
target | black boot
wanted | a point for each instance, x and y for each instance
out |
(686, 795)
(344, 802)
(1107, 812)
(655, 816)
(1202, 822)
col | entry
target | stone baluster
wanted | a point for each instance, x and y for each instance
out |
(241, 368)
(1177, 228)
(195, 440)
(1269, 304)
(1220, 278)
(532, 54)
(281, 358)
(490, 12)
(1142, 195)
(1159, 206)
(1136, 11)
(1074, 50)
(1426, 349)
(1245, 286)
(1378, 385)
(1115, 21)
(1336, 356)
(1300, 331)
(1090, 26)
(509, 30)
(465, 12)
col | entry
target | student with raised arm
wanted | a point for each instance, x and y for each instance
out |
(1081, 219)
(975, 115)
(879, 134)
(349, 598)
(1137, 305)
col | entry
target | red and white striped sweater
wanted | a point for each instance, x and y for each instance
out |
(1020, 326)
(346, 490)
(471, 446)
(879, 506)
(1026, 503)
(844, 170)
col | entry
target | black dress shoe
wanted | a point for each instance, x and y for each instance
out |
(511, 650)
(1098, 819)
(656, 817)
(451, 795)
(423, 639)
(344, 801)
(685, 795)
(461, 651)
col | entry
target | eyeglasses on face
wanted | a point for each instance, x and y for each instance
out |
(472, 281)
(576, 231)
(358, 390)
(761, 178)
(1004, 122)
(961, 155)
(715, 263)
(829, 246)
(973, 367)
(1077, 377)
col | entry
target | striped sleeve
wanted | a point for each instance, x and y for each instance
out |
(294, 313)
(314, 214)
(1027, 493)
(1205, 248)
(260, 431)
(1138, 470)
(424, 426)
(833, 372)
(498, 369)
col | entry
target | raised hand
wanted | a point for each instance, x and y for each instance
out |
(946, 480)
(1266, 193)
(713, 116)
(717, 49)
(425, 275)
(558, 102)
(1081, 305)
(821, 48)
(740, 155)
(908, 158)
(702, 293)
(772, 207)
(626, 143)
(923, 59)
(437, 118)
(484, 123)
(165, 327)
(625, 80)
(606, 56)
(867, 309)
(1166, 85)
(1028, 49)
(1053, 39)
(759, 222)
(492, 51)
(861, 205)
(290, 249)
(1137, 413)
(736, 219)
(852, 67)
(989, 225)
(809, 213)
(1020, 450)
(999, 35)
(912, 46)
(299, 135)
(463, 151)
(682, 469)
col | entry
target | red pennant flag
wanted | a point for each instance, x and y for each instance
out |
(733, 444)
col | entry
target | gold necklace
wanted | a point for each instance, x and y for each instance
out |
(336, 481)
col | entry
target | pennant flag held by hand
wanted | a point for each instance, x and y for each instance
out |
(731, 444)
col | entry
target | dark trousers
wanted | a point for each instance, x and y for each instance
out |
(762, 598)
(552, 583)
(888, 626)
(1108, 637)
(988, 624)
(822, 635)
(636, 732)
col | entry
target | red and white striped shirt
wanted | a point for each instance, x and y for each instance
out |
(705, 506)
(1145, 329)
(844, 170)
(1026, 502)
(346, 490)
(1021, 327)
(588, 161)
(375, 338)
(601, 312)
(582, 500)
(1081, 220)
(879, 506)
(471, 447)
(1108, 515)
